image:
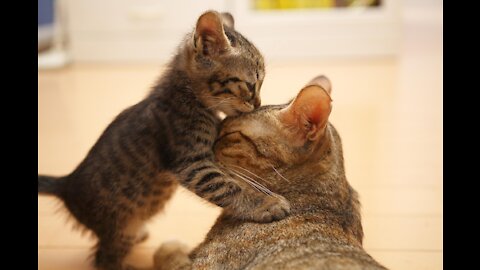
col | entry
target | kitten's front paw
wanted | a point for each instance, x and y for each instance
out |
(171, 254)
(273, 208)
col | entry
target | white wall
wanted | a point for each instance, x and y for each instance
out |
(150, 30)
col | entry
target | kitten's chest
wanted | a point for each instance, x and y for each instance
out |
(197, 124)
(194, 133)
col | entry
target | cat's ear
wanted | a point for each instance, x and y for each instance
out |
(323, 82)
(228, 19)
(307, 115)
(210, 38)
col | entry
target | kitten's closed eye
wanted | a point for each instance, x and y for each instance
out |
(234, 95)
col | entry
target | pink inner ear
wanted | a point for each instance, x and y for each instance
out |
(210, 30)
(209, 24)
(312, 104)
(315, 114)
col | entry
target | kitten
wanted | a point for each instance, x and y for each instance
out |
(296, 153)
(167, 138)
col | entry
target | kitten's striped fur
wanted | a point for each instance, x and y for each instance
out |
(166, 139)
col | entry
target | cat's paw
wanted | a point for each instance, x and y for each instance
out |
(273, 208)
(169, 254)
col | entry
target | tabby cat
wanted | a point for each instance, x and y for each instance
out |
(294, 151)
(166, 138)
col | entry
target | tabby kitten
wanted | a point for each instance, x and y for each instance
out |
(294, 151)
(135, 165)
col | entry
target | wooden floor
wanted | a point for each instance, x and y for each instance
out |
(388, 112)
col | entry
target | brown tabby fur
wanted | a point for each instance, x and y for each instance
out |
(166, 139)
(293, 151)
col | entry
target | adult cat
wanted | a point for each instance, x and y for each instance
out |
(294, 151)
(166, 138)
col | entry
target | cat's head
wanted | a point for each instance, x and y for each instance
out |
(293, 151)
(228, 67)
(281, 137)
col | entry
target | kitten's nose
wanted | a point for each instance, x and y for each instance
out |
(257, 102)
(251, 87)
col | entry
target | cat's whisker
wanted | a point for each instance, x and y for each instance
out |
(258, 186)
(268, 191)
(250, 178)
(253, 183)
(231, 171)
(249, 182)
(250, 172)
(243, 176)
(283, 177)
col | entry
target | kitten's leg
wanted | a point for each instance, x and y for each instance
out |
(172, 256)
(111, 251)
(239, 199)
(113, 247)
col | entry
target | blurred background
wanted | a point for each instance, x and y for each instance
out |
(384, 59)
(149, 30)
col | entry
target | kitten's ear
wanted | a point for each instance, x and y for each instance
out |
(228, 19)
(308, 113)
(209, 36)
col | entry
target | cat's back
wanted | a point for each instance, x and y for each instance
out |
(298, 242)
(307, 258)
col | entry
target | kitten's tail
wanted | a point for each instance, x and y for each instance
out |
(49, 185)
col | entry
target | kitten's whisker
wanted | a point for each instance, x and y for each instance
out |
(283, 177)
(239, 167)
(218, 98)
(219, 103)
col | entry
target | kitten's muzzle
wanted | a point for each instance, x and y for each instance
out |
(255, 99)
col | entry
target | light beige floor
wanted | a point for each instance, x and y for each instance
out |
(388, 111)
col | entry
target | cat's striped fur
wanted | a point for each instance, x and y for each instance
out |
(294, 151)
(167, 139)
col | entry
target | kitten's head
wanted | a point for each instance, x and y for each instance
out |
(280, 136)
(228, 68)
